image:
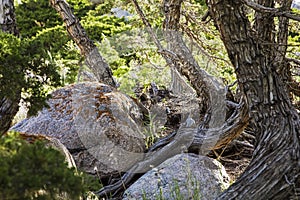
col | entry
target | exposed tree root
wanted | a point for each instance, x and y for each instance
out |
(187, 138)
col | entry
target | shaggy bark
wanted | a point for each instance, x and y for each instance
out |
(87, 47)
(274, 170)
(9, 106)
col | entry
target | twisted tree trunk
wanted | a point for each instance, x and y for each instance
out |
(274, 171)
(9, 105)
(214, 131)
(87, 47)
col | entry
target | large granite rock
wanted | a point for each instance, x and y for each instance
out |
(99, 126)
(184, 176)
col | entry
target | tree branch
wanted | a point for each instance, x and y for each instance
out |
(275, 11)
(87, 47)
(148, 27)
(209, 135)
(188, 138)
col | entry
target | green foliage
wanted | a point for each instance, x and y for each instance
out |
(294, 39)
(201, 2)
(134, 60)
(68, 60)
(143, 76)
(152, 10)
(32, 171)
(53, 38)
(49, 34)
(98, 26)
(63, 53)
(81, 8)
(46, 58)
(90, 183)
(150, 132)
(10, 66)
(113, 57)
(25, 66)
(131, 55)
(34, 16)
(103, 7)
(49, 39)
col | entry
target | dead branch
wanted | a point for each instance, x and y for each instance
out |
(189, 137)
(148, 25)
(223, 135)
(296, 61)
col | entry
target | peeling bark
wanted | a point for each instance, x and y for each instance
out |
(274, 170)
(87, 47)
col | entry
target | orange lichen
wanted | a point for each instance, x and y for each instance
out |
(102, 102)
(31, 138)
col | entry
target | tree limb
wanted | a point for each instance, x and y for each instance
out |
(87, 47)
(190, 136)
(274, 11)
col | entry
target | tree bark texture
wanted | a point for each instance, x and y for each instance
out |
(7, 17)
(275, 168)
(87, 47)
(211, 92)
(9, 106)
(183, 61)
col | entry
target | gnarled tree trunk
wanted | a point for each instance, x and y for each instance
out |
(212, 133)
(9, 106)
(274, 171)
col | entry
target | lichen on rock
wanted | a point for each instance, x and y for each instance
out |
(100, 126)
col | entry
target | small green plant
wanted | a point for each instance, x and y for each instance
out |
(161, 195)
(150, 131)
(34, 171)
(176, 191)
(144, 197)
(191, 184)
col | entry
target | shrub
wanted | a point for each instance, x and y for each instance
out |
(34, 171)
